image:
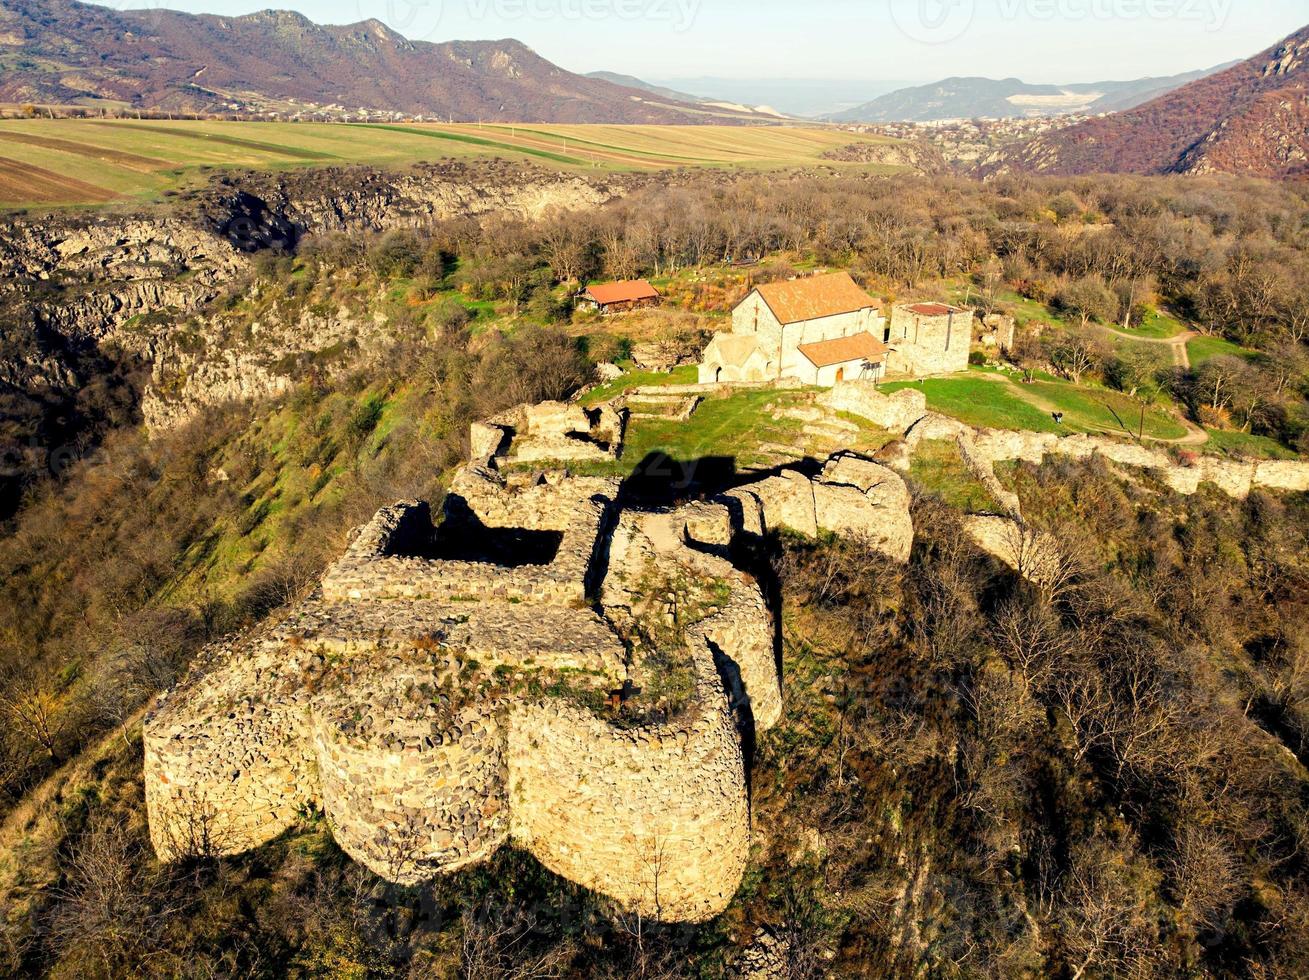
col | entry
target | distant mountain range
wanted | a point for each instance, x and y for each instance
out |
(1252, 119)
(810, 98)
(65, 52)
(705, 102)
(989, 98)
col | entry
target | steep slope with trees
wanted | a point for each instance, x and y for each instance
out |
(1247, 120)
(1102, 776)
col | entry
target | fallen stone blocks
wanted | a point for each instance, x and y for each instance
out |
(550, 432)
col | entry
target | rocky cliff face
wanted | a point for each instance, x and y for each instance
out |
(126, 283)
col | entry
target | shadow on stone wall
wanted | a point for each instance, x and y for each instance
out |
(463, 537)
(660, 481)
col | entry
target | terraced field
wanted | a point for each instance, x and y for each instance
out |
(64, 162)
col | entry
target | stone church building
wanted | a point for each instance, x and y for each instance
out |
(825, 329)
(819, 330)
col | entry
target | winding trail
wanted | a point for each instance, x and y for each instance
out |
(1178, 342)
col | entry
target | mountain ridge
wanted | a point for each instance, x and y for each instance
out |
(1251, 119)
(67, 52)
(972, 97)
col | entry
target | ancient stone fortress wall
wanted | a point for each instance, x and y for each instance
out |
(551, 432)
(906, 411)
(459, 683)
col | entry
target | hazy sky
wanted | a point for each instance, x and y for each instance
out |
(1037, 40)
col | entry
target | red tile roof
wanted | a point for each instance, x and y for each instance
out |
(622, 292)
(816, 297)
(860, 347)
(933, 309)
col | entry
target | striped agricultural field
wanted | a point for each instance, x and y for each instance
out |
(72, 162)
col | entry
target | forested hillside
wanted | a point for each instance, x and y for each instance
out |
(1246, 121)
(975, 776)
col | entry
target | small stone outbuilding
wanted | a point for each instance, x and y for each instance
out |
(929, 338)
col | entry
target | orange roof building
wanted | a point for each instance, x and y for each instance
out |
(616, 297)
(816, 298)
(845, 350)
(818, 330)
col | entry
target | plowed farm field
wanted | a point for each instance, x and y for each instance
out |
(70, 162)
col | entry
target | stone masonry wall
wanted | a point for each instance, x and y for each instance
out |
(924, 345)
(657, 818)
(412, 779)
(430, 728)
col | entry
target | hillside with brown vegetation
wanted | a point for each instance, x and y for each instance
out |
(974, 776)
(1247, 120)
(65, 52)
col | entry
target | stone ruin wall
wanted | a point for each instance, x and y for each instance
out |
(906, 411)
(853, 495)
(662, 813)
(408, 792)
(656, 817)
(235, 766)
(1236, 478)
(394, 708)
(550, 432)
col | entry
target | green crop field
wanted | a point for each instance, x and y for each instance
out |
(62, 162)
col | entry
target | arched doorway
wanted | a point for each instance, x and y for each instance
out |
(840, 375)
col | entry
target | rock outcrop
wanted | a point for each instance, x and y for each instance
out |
(132, 282)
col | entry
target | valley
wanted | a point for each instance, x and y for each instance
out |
(659, 540)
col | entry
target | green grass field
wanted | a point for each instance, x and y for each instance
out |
(1246, 445)
(62, 162)
(981, 403)
(986, 401)
(938, 467)
(1157, 326)
(1203, 349)
(1093, 410)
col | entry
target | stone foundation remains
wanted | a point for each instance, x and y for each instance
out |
(553, 432)
(457, 684)
(545, 665)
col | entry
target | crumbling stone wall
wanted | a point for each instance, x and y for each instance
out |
(430, 728)
(1236, 478)
(658, 816)
(897, 412)
(411, 771)
(556, 432)
(852, 496)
